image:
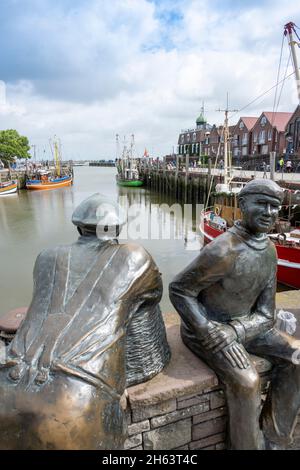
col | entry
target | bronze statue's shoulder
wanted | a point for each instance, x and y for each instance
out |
(221, 245)
(137, 253)
(49, 254)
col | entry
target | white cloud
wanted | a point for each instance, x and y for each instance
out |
(117, 67)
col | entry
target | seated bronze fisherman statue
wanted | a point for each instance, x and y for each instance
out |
(93, 326)
(226, 300)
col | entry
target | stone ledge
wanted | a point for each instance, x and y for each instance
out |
(185, 375)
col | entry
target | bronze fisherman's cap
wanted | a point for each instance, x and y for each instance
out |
(98, 211)
(262, 186)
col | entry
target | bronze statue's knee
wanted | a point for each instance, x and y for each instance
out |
(247, 383)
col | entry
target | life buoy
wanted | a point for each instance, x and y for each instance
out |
(217, 210)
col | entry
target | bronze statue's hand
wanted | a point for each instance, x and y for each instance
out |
(218, 337)
(236, 355)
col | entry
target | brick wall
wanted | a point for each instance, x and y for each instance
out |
(189, 422)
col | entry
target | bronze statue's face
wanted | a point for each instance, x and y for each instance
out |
(259, 212)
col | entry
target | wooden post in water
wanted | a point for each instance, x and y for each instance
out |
(176, 176)
(164, 176)
(187, 164)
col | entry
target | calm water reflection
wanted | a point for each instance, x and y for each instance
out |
(32, 221)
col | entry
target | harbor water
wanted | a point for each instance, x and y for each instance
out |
(33, 221)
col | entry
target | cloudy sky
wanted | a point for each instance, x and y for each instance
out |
(88, 69)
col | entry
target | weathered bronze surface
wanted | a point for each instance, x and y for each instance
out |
(65, 371)
(226, 299)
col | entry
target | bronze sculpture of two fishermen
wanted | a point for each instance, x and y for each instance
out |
(80, 344)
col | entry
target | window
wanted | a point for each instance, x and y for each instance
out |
(188, 137)
(255, 137)
(262, 137)
(244, 151)
(269, 135)
(263, 121)
(182, 139)
(194, 136)
(242, 125)
(245, 138)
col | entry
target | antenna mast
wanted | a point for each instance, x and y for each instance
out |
(289, 29)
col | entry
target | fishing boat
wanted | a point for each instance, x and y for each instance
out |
(128, 174)
(44, 180)
(48, 183)
(217, 219)
(9, 187)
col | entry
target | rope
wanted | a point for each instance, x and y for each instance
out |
(287, 66)
(278, 74)
(260, 96)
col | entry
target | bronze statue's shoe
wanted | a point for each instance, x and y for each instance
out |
(42, 376)
(269, 445)
(17, 372)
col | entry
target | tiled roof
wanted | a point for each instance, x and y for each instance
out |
(249, 121)
(278, 120)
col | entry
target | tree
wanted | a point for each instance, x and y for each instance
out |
(13, 145)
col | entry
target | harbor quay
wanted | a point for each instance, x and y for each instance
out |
(193, 185)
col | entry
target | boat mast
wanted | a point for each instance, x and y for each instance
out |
(227, 159)
(117, 147)
(289, 28)
(227, 166)
(131, 152)
(57, 157)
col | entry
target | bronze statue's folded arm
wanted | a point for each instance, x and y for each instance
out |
(263, 317)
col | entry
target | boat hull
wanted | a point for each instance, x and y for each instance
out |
(130, 183)
(288, 272)
(10, 189)
(48, 185)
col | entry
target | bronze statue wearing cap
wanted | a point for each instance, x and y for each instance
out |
(226, 299)
(94, 325)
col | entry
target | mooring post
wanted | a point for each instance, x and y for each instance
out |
(187, 164)
(176, 175)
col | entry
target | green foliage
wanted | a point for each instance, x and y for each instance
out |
(13, 145)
